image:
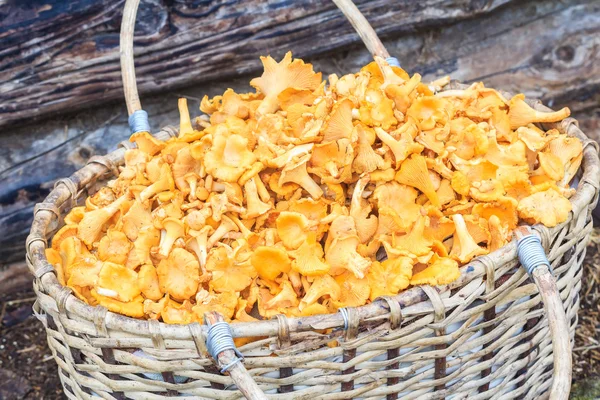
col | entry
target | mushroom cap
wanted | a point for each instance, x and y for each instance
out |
(322, 286)
(279, 76)
(548, 207)
(292, 228)
(117, 282)
(114, 247)
(354, 291)
(147, 143)
(228, 157)
(148, 282)
(308, 258)
(442, 271)
(270, 262)
(389, 277)
(63, 233)
(227, 273)
(224, 303)
(134, 309)
(179, 274)
(413, 172)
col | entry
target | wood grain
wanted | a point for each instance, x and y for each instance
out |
(63, 55)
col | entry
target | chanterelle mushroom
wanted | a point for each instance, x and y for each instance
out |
(287, 200)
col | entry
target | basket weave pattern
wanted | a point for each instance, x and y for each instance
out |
(484, 336)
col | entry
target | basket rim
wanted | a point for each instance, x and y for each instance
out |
(51, 209)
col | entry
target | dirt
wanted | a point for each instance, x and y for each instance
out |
(28, 371)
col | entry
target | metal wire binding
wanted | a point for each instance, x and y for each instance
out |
(220, 339)
(531, 253)
(138, 122)
(393, 61)
(345, 315)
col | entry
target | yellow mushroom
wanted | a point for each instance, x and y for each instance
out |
(63, 233)
(279, 76)
(173, 229)
(179, 274)
(292, 228)
(75, 215)
(270, 262)
(402, 148)
(284, 299)
(464, 247)
(413, 243)
(227, 273)
(137, 217)
(389, 277)
(413, 172)
(442, 271)
(254, 205)
(341, 249)
(133, 308)
(354, 291)
(114, 247)
(117, 282)
(548, 207)
(184, 168)
(148, 237)
(177, 313)
(91, 225)
(322, 286)
(224, 303)
(147, 281)
(308, 258)
(296, 173)
(521, 114)
(227, 225)
(147, 143)
(366, 159)
(164, 183)
(366, 225)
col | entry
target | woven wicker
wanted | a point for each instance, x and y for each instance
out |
(485, 336)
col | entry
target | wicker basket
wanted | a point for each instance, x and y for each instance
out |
(485, 336)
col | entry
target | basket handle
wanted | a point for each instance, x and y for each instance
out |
(132, 98)
(533, 258)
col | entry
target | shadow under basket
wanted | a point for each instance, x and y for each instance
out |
(484, 336)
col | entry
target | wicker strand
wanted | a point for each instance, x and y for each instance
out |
(127, 66)
(363, 28)
(538, 266)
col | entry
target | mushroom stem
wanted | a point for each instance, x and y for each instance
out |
(298, 174)
(185, 124)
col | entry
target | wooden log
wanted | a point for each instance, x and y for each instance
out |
(533, 38)
(14, 278)
(59, 56)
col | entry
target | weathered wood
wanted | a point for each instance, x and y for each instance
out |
(520, 47)
(63, 55)
(14, 278)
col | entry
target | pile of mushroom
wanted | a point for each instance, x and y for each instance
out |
(308, 196)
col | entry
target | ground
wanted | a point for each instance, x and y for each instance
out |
(27, 370)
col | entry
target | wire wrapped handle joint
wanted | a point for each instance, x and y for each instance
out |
(393, 61)
(531, 253)
(138, 122)
(219, 340)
